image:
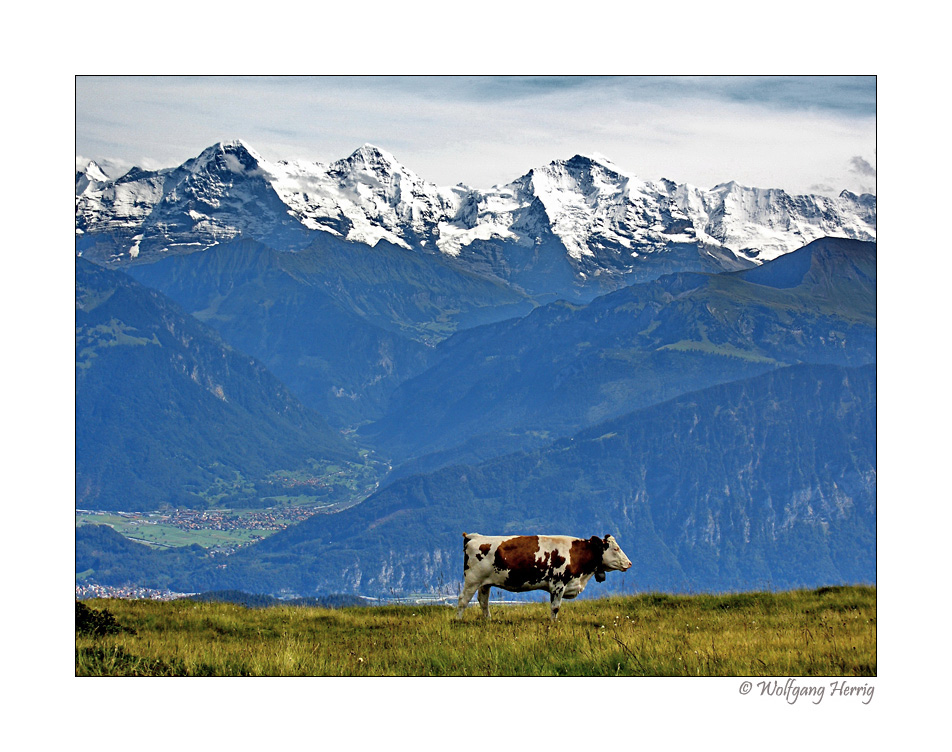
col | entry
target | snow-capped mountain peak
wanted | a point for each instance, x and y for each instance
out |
(92, 173)
(371, 159)
(594, 207)
(230, 156)
(365, 197)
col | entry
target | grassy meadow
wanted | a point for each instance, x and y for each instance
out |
(825, 632)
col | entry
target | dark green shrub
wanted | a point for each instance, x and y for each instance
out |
(100, 623)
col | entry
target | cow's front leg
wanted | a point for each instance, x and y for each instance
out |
(555, 595)
(464, 598)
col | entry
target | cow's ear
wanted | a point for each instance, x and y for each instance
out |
(599, 543)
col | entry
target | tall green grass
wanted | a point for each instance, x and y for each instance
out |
(826, 632)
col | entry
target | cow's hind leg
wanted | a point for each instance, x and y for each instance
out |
(484, 599)
(555, 596)
(464, 598)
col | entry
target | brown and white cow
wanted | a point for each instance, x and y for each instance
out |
(557, 563)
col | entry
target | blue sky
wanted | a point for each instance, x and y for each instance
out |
(803, 134)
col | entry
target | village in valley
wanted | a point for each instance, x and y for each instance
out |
(221, 531)
(92, 590)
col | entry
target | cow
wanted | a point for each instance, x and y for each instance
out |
(560, 564)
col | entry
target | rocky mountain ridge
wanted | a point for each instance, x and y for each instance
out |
(601, 221)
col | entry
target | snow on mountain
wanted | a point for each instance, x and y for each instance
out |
(593, 205)
(221, 194)
(601, 214)
(366, 198)
(91, 173)
(764, 223)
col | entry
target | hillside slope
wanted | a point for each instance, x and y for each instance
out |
(164, 408)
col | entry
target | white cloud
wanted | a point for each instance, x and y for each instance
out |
(482, 131)
(862, 167)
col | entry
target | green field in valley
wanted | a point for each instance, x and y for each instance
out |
(215, 529)
(158, 530)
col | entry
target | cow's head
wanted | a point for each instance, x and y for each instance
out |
(612, 555)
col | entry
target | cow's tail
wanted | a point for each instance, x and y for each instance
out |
(465, 553)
